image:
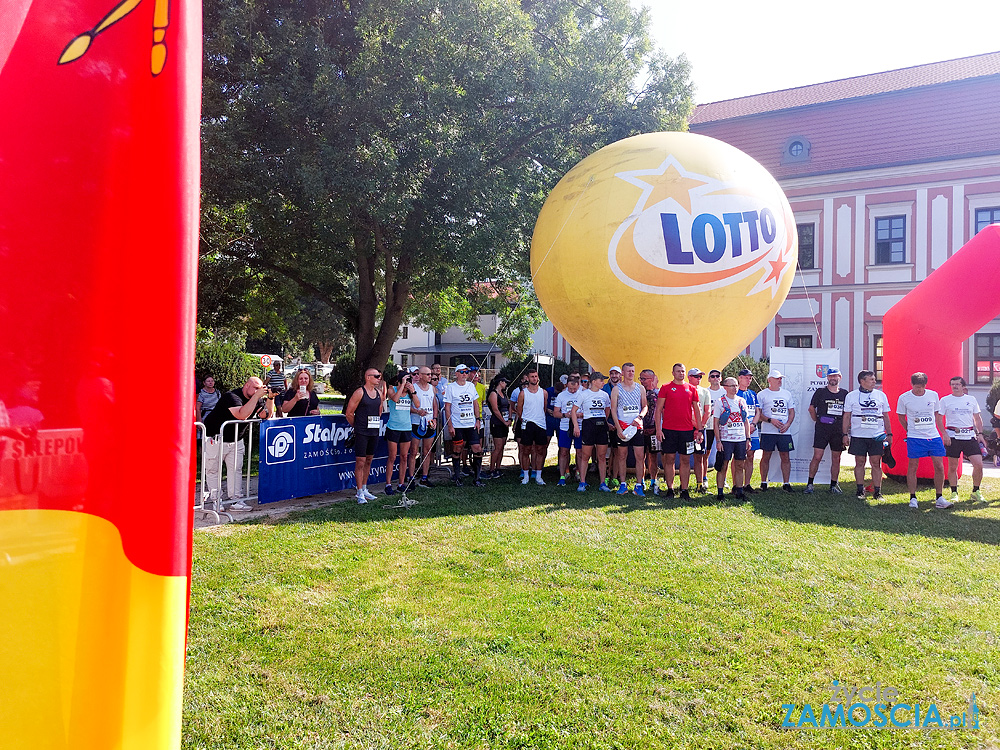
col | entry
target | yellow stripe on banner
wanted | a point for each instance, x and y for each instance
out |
(91, 647)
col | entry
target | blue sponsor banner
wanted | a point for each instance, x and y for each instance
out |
(301, 456)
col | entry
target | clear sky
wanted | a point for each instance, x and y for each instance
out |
(742, 48)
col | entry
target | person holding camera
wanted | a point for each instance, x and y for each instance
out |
(252, 401)
(399, 431)
(300, 400)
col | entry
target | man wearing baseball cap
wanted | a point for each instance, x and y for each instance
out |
(745, 376)
(775, 414)
(826, 409)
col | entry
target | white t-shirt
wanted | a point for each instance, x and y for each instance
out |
(920, 412)
(958, 414)
(866, 410)
(564, 402)
(716, 395)
(733, 430)
(592, 404)
(462, 399)
(774, 404)
(704, 399)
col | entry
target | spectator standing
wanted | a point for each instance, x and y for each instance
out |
(745, 377)
(300, 400)
(208, 397)
(424, 419)
(500, 419)
(276, 378)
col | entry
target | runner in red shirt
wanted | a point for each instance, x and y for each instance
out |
(678, 422)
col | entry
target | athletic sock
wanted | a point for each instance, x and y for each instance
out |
(975, 488)
(810, 482)
(763, 485)
(833, 484)
(913, 496)
(953, 488)
(477, 465)
(876, 490)
(861, 489)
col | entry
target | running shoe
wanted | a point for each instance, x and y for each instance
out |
(622, 489)
(942, 504)
(582, 487)
(638, 490)
(604, 487)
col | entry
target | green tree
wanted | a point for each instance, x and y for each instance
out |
(387, 155)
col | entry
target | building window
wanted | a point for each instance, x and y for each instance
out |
(878, 357)
(406, 332)
(799, 342)
(986, 216)
(890, 240)
(987, 357)
(404, 360)
(807, 245)
(795, 149)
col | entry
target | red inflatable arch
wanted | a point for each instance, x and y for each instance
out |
(925, 330)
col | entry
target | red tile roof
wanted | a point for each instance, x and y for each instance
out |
(947, 71)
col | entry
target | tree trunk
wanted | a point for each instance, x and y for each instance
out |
(325, 351)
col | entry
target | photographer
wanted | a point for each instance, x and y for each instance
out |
(398, 432)
(252, 401)
(300, 400)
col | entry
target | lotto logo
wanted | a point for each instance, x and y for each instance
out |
(280, 443)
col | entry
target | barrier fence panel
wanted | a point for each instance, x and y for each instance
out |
(301, 456)
(201, 494)
(230, 449)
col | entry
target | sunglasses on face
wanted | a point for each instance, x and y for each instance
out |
(697, 377)
(372, 375)
(715, 376)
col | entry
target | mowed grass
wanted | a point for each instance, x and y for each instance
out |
(536, 617)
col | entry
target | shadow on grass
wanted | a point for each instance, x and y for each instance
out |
(822, 508)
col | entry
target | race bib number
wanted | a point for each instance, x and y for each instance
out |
(689, 448)
(404, 403)
(921, 419)
(871, 420)
(596, 411)
(654, 443)
(505, 415)
(835, 409)
(630, 412)
(963, 433)
(374, 422)
(466, 413)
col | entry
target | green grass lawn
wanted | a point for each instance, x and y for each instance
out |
(536, 617)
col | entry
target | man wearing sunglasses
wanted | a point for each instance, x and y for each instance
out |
(364, 414)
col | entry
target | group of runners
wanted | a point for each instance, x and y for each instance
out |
(628, 422)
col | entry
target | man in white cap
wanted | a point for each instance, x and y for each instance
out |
(826, 409)
(748, 394)
(775, 414)
(461, 409)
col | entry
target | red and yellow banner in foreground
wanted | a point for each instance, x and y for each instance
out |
(98, 248)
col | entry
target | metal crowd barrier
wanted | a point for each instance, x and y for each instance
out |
(252, 425)
(202, 494)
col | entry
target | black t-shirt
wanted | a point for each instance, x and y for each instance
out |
(221, 414)
(829, 406)
(302, 408)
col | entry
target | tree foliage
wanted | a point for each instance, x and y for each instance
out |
(388, 157)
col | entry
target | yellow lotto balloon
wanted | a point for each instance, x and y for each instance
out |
(664, 248)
